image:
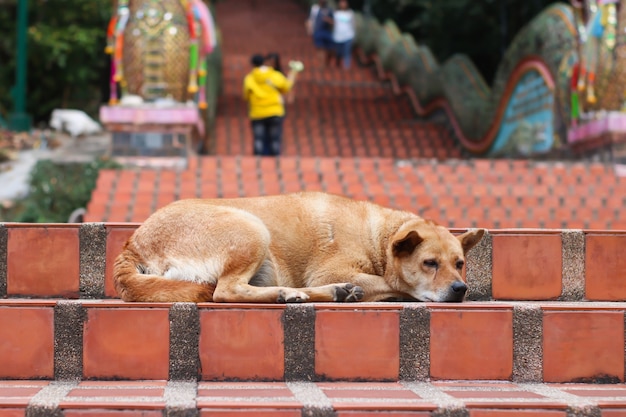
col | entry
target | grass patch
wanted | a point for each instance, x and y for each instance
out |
(56, 190)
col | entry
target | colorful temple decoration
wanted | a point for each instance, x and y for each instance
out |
(164, 76)
(202, 41)
(159, 48)
(597, 27)
(598, 80)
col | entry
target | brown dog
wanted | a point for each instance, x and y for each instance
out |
(290, 248)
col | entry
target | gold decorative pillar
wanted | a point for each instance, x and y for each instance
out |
(156, 50)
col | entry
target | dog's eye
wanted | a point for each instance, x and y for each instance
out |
(431, 263)
(460, 264)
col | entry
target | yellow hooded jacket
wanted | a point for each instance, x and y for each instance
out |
(263, 88)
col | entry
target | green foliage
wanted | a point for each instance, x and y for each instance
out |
(56, 190)
(66, 63)
(7, 59)
(482, 29)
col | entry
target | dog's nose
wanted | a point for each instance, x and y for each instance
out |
(459, 288)
(456, 293)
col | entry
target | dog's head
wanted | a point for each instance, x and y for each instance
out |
(428, 260)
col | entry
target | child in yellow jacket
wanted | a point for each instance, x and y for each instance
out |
(263, 90)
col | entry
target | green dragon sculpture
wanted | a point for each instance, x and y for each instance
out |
(556, 72)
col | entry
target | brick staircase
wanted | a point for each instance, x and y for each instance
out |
(335, 113)
(456, 193)
(68, 346)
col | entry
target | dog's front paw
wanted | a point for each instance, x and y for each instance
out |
(348, 293)
(291, 296)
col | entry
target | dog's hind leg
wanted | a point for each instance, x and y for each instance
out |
(233, 285)
(248, 260)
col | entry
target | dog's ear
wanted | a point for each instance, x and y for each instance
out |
(404, 246)
(470, 238)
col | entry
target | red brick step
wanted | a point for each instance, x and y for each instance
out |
(535, 342)
(295, 399)
(75, 261)
(475, 193)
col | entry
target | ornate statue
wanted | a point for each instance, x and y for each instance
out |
(159, 49)
(159, 53)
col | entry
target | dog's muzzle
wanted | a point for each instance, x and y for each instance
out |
(457, 291)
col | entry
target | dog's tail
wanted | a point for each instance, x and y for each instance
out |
(132, 285)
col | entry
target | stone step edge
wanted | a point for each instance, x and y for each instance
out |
(299, 332)
(479, 271)
(182, 398)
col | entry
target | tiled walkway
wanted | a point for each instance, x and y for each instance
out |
(280, 399)
(456, 193)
